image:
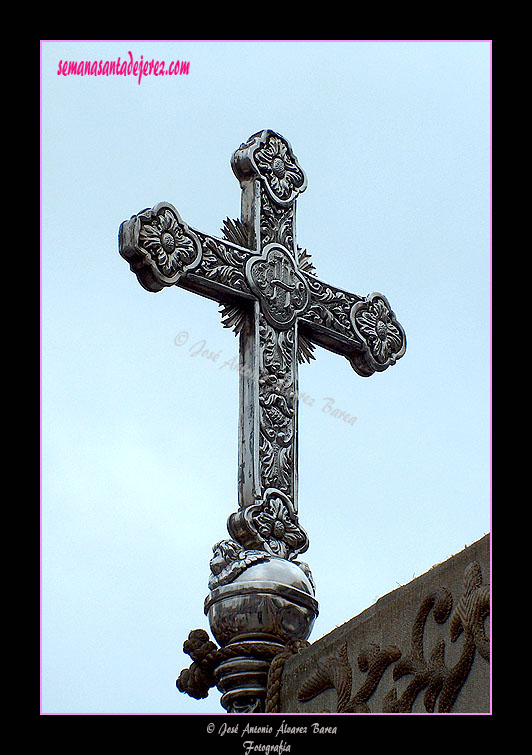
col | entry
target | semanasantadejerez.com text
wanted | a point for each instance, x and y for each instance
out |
(128, 67)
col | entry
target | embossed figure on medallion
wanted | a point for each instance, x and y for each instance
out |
(283, 293)
(229, 561)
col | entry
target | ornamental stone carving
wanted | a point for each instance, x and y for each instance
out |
(335, 673)
(471, 610)
(419, 671)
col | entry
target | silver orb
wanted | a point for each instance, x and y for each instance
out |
(272, 601)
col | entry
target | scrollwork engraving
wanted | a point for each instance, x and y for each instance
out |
(276, 223)
(277, 406)
(223, 263)
(331, 307)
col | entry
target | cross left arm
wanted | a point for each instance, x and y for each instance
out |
(163, 250)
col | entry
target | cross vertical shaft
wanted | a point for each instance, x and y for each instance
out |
(268, 347)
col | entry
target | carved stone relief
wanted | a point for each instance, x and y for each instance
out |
(430, 674)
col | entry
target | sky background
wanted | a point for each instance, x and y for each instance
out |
(139, 430)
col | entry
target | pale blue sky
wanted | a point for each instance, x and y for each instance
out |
(139, 437)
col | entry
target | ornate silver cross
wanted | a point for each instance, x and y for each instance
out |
(271, 296)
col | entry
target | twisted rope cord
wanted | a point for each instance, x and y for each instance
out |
(275, 673)
(199, 677)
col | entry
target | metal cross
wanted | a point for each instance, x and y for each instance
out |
(271, 296)
(280, 308)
